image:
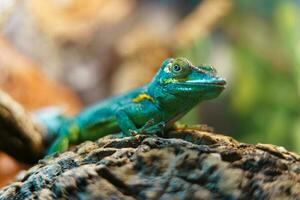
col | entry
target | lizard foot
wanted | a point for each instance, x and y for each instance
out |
(133, 132)
(154, 129)
(149, 129)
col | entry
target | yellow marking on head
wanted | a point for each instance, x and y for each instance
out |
(142, 97)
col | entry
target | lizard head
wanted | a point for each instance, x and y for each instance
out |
(179, 77)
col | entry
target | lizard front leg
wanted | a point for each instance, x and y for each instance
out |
(125, 123)
(129, 128)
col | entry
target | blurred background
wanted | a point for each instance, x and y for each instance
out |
(71, 53)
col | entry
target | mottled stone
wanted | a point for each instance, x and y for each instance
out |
(185, 164)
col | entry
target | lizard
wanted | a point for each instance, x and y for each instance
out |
(177, 87)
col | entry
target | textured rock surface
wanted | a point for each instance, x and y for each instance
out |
(186, 164)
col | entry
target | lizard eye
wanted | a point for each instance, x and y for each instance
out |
(176, 68)
(180, 68)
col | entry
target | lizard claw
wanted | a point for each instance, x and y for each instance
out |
(149, 123)
(162, 125)
(149, 128)
(154, 129)
(133, 132)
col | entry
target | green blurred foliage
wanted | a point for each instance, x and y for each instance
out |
(263, 98)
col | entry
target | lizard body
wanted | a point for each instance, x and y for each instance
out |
(177, 87)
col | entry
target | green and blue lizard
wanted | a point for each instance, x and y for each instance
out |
(176, 88)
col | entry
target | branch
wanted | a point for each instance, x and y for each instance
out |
(21, 137)
(185, 164)
(200, 22)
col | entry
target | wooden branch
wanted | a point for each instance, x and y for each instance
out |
(200, 22)
(21, 137)
(185, 164)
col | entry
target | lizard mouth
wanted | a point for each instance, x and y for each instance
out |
(218, 82)
(205, 88)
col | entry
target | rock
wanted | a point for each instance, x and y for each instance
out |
(184, 164)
